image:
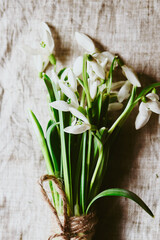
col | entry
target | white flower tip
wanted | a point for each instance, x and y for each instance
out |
(131, 76)
(115, 106)
(77, 129)
(142, 119)
(85, 42)
(78, 66)
(60, 105)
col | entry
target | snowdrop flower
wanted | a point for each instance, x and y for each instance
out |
(145, 110)
(69, 93)
(131, 76)
(71, 79)
(53, 76)
(44, 49)
(97, 69)
(103, 58)
(78, 126)
(124, 91)
(85, 42)
(78, 66)
(93, 87)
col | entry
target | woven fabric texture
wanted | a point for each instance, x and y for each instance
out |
(129, 28)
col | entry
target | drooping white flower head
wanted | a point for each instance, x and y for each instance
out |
(80, 124)
(71, 79)
(103, 58)
(85, 42)
(97, 68)
(44, 48)
(69, 93)
(53, 76)
(131, 76)
(124, 91)
(145, 110)
(78, 66)
(93, 88)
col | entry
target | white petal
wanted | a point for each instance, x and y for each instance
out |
(124, 92)
(69, 93)
(78, 66)
(115, 106)
(74, 122)
(91, 73)
(47, 37)
(60, 105)
(98, 69)
(103, 64)
(92, 88)
(154, 106)
(142, 119)
(78, 114)
(44, 26)
(72, 80)
(109, 55)
(143, 109)
(152, 96)
(77, 129)
(40, 62)
(131, 76)
(85, 42)
(117, 85)
(55, 78)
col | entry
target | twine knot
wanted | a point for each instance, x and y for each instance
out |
(74, 227)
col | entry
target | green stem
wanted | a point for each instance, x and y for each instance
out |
(83, 98)
(83, 174)
(88, 159)
(85, 80)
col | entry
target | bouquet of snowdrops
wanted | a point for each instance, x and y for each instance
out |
(84, 100)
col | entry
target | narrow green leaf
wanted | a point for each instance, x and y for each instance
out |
(109, 80)
(122, 193)
(65, 167)
(85, 80)
(83, 173)
(98, 167)
(41, 139)
(53, 147)
(52, 97)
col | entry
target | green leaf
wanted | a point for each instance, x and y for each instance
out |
(50, 122)
(48, 84)
(109, 80)
(85, 80)
(42, 142)
(122, 193)
(83, 174)
(53, 142)
(52, 97)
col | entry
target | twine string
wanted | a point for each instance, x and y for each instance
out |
(73, 226)
(64, 228)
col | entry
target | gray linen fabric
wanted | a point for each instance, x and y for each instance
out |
(131, 29)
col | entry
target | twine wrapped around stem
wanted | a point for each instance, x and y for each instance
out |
(75, 227)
